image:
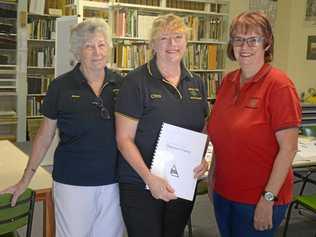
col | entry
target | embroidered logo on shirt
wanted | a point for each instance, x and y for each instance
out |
(155, 96)
(194, 93)
(253, 103)
(75, 97)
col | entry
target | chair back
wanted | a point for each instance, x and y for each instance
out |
(13, 218)
(309, 131)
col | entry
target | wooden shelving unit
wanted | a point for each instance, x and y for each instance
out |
(130, 19)
(31, 63)
(8, 70)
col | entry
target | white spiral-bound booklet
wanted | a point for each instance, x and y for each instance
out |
(177, 153)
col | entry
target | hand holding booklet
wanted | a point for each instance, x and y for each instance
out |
(177, 153)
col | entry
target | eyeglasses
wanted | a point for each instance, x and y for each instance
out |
(251, 41)
(104, 113)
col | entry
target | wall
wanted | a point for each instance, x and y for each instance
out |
(235, 8)
(290, 33)
(291, 43)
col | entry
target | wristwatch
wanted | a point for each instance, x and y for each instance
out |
(269, 196)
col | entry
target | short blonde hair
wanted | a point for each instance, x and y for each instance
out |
(167, 23)
(82, 32)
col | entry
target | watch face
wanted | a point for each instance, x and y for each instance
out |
(269, 196)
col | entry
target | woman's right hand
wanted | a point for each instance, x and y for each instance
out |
(16, 190)
(160, 189)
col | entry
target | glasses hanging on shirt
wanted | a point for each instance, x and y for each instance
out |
(104, 113)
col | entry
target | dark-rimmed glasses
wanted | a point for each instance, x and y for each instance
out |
(104, 113)
(251, 41)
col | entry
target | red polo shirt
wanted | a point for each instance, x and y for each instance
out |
(242, 129)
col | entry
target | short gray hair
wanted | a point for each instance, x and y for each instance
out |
(81, 33)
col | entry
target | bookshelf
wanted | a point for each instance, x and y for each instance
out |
(28, 66)
(131, 21)
(40, 63)
(8, 75)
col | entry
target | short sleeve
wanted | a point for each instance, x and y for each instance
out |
(50, 103)
(205, 95)
(130, 98)
(285, 108)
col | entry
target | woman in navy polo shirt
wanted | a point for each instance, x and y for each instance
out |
(80, 104)
(254, 131)
(158, 91)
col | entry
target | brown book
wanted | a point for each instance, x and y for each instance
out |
(212, 56)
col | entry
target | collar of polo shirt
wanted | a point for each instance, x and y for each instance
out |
(154, 72)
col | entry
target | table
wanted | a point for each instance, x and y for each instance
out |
(12, 164)
(306, 155)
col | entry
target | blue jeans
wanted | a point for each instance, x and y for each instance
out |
(236, 220)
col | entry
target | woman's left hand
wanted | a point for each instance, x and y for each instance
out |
(200, 169)
(263, 215)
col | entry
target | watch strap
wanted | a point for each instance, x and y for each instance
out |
(275, 198)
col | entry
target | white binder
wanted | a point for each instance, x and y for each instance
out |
(177, 153)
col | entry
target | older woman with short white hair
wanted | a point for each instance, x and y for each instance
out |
(81, 103)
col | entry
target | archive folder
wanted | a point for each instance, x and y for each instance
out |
(178, 152)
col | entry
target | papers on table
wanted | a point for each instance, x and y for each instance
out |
(306, 153)
(177, 153)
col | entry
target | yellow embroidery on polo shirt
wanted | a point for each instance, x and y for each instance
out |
(194, 93)
(253, 103)
(155, 96)
(75, 97)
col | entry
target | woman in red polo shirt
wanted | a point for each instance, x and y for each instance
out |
(254, 130)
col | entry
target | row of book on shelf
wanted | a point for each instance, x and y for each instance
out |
(130, 55)
(133, 54)
(34, 103)
(212, 82)
(38, 84)
(192, 5)
(41, 56)
(7, 83)
(180, 4)
(7, 116)
(69, 2)
(198, 56)
(134, 23)
(202, 56)
(42, 29)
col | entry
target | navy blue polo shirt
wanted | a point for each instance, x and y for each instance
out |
(86, 154)
(149, 98)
